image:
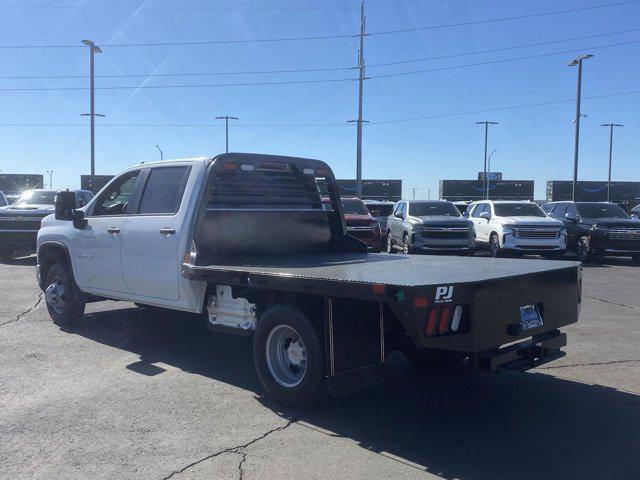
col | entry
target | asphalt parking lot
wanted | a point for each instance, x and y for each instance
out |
(135, 394)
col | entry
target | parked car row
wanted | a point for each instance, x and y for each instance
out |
(592, 230)
(20, 221)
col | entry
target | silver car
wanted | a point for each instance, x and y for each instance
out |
(429, 226)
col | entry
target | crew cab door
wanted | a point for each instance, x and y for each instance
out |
(481, 224)
(97, 247)
(151, 235)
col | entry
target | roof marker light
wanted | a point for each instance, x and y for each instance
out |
(230, 166)
(322, 172)
(457, 316)
(420, 302)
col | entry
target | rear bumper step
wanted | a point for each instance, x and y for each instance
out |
(527, 354)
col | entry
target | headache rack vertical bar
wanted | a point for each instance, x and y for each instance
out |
(381, 306)
(332, 367)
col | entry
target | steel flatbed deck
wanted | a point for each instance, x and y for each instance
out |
(357, 269)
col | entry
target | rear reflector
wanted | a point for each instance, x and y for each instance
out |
(378, 289)
(457, 316)
(432, 323)
(420, 302)
(443, 327)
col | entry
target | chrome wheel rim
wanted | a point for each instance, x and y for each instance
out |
(405, 245)
(389, 244)
(583, 250)
(54, 295)
(286, 356)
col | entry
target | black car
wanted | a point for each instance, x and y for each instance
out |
(598, 229)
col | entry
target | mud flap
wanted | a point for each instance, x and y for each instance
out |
(354, 344)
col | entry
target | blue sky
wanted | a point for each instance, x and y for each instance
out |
(533, 143)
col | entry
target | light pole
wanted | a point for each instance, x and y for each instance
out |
(611, 127)
(93, 49)
(161, 155)
(577, 62)
(226, 126)
(486, 124)
(50, 173)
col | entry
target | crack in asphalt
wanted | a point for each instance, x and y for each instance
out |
(612, 362)
(238, 449)
(612, 303)
(27, 311)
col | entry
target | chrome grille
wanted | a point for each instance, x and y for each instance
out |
(536, 232)
(445, 232)
(624, 234)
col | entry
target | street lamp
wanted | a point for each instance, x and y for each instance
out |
(161, 155)
(93, 49)
(486, 124)
(611, 127)
(577, 62)
(226, 127)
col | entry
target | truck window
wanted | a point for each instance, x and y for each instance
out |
(518, 210)
(433, 209)
(560, 210)
(601, 210)
(480, 207)
(164, 190)
(114, 200)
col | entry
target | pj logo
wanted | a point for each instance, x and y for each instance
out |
(444, 294)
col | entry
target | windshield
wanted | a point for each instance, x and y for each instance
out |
(36, 197)
(3, 202)
(354, 207)
(440, 209)
(380, 210)
(601, 210)
(518, 210)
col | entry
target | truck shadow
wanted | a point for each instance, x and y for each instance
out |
(447, 422)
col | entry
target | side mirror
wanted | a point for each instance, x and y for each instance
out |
(485, 215)
(79, 221)
(65, 204)
(571, 217)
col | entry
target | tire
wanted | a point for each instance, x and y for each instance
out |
(494, 246)
(292, 377)
(406, 248)
(5, 254)
(61, 296)
(390, 248)
(583, 251)
(428, 356)
(636, 259)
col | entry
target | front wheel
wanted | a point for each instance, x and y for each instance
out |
(288, 357)
(406, 245)
(390, 243)
(494, 246)
(63, 303)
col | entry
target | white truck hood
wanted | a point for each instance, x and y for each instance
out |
(538, 221)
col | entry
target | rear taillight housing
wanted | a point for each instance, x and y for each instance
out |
(447, 320)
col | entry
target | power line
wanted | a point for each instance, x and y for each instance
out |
(504, 60)
(327, 37)
(502, 49)
(315, 81)
(322, 69)
(199, 8)
(504, 19)
(379, 122)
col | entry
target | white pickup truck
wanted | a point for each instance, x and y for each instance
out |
(246, 243)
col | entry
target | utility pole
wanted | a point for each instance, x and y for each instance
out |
(359, 121)
(573, 63)
(489, 169)
(93, 49)
(611, 127)
(161, 154)
(226, 126)
(50, 173)
(486, 124)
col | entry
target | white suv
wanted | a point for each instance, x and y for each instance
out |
(517, 228)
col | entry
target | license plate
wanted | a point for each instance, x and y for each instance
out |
(530, 317)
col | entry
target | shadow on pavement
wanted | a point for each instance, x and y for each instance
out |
(449, 422)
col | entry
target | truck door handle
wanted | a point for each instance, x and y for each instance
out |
(167, 231)
(113, 230)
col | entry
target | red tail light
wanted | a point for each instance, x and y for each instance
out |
(432, 323)
(445, 316)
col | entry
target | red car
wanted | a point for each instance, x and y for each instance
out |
(360, 223)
